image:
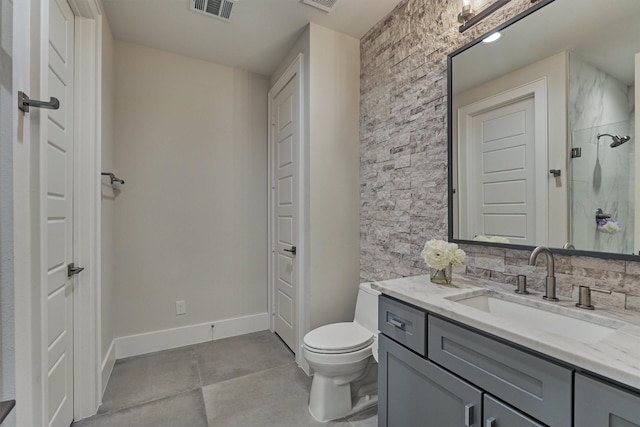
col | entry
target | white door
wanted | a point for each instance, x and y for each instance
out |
(503, 182)
(285, 124)
(57, 169)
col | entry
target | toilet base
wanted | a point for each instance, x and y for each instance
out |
(330, 400)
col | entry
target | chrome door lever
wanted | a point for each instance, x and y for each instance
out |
(72, 270)
(293, 250)
(24, 103)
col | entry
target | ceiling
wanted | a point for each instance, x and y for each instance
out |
(258, 38)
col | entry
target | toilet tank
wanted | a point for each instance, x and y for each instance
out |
(367, 308)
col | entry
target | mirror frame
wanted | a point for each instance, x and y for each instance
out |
(450, 190)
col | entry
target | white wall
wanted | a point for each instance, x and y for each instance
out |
(108, 196)
(332, 184)
(7, 318)
(191, 221)
(334, 180)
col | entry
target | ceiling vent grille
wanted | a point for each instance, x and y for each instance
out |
(325, 5)
(220, 9)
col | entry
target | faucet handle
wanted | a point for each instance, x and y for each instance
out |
(584, 298)
(522, 285)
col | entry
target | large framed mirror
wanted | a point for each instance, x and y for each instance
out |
(542, 141)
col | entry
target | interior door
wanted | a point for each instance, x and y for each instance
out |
(503, 183)
(285, 124)
(57, 171)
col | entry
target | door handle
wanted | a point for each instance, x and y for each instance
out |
(72, 270)
(24, 103)
(491, 422)
(293, 250)
(468, 414)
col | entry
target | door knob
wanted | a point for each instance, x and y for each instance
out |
(293, 250)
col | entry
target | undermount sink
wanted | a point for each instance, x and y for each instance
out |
(558, 320)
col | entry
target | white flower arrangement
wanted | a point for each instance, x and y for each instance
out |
(439, 254)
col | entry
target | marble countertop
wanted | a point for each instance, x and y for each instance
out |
(616, 356)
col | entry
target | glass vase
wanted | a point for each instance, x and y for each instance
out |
(441, 276)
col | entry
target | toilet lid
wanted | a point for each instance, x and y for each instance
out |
(338, 337)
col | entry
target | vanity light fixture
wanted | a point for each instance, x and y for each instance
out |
(492, 38)
(467, 12)
(468, 18)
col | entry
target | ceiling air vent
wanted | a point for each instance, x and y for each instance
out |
(220, 9)
(326, 5)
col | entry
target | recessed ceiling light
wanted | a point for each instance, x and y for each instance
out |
(493, 37)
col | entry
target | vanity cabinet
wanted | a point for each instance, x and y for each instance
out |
(416, 392)
(600, 404)
(435, 373)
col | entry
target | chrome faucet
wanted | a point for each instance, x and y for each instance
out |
(550, 283)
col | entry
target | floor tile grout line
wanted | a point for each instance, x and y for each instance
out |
(195, 353)
(115, 411)
(204, 405)
(251, 373)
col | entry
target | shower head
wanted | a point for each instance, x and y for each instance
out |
(617, 139)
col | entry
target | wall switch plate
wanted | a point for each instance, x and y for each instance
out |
(181, 307)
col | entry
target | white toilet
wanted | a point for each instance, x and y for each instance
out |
(342, 356)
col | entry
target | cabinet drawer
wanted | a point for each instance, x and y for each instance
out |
(536, 386)
(404, 324)
(497, 414)
(603, 405)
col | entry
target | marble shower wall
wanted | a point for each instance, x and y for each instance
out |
(603, 177)
(403, 157)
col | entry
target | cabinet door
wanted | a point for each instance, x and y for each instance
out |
(603, 405)
(414, 392)
(497, 414)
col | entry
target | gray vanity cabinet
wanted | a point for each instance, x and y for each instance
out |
(416, 393)
(603, 405)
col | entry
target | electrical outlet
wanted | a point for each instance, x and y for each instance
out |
(181, 307)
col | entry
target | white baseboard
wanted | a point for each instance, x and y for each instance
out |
(134, 345)
(107, 364)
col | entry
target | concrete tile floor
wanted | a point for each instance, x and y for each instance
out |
(246, 381)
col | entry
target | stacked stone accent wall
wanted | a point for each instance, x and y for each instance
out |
(403, 158)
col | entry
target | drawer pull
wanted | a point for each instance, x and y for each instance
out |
(397, 323)
(491, 422)
(468, 415)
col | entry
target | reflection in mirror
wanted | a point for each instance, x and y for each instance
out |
(543, 126)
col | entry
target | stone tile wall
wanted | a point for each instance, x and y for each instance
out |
(403, 160)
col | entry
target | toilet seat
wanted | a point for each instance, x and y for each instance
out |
(335, 338)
